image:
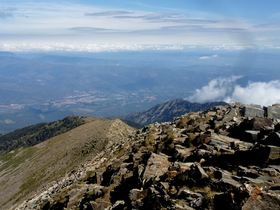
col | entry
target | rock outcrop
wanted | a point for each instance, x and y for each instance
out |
(205, 160)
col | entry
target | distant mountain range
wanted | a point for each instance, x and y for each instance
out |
(165, 112)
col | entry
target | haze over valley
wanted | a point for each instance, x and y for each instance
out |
(47, 86)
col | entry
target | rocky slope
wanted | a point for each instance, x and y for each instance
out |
(226, 157)
(165, 112)
(26, 170)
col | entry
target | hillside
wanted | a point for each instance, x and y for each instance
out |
(23, 171)
(224, 158)
(165, 112)
(34, 134)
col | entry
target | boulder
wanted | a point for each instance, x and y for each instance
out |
(188, 195)
(202, 153)
(270, 171)
(197, 172)
(101, 205)
(261, 200)
(243, 171)
(230, 115)
(136, 196)
(272, 139)
(252, 111)
(183, 206)
(273, 112)
(226, 180)
(179, 166)
(180, 152)
(118, 205)
(259, 123)
(276, 167)
(157, 165)
(251, 135)
(272, 152)
(203, 127)
(196, 203)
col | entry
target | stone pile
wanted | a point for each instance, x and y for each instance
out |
(226, 157)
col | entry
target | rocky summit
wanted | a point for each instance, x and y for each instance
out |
(226, 157)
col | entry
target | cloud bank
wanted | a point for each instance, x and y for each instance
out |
(227, 89)
(101, 47)
(108, 13)
(47, 47)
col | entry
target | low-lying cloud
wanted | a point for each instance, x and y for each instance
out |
(227, 89)
(208, 57)
(108, 13)
(76, 47)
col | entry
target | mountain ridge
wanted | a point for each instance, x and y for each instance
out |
(34, 134)
(26, 170)
(166, 111)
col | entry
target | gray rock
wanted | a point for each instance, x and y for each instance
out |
(273, 112)
(202, 153)
(183, 206)
(226, 179)
(196, 203)
(216, 143)
(101, 205)
(230, 115)
(276, 167)
(253, 181)
(270, 171)
(243, 171)
(201, 172)
(252, 136)
(118, 205)
(157, 165)
(179, 166)
(136, 196)
(252, 111)
(181, 152)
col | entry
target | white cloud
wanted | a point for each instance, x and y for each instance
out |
(25, 47)
(38, 21)
(108, 13)
(216, 90)
(208, 57)
(226, 89)
(232, 47)
(257, 93)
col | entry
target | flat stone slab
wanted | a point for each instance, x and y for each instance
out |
(273, 112)
(252, 111)
(157, 166)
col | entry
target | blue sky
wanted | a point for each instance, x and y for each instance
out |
(100, 25)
